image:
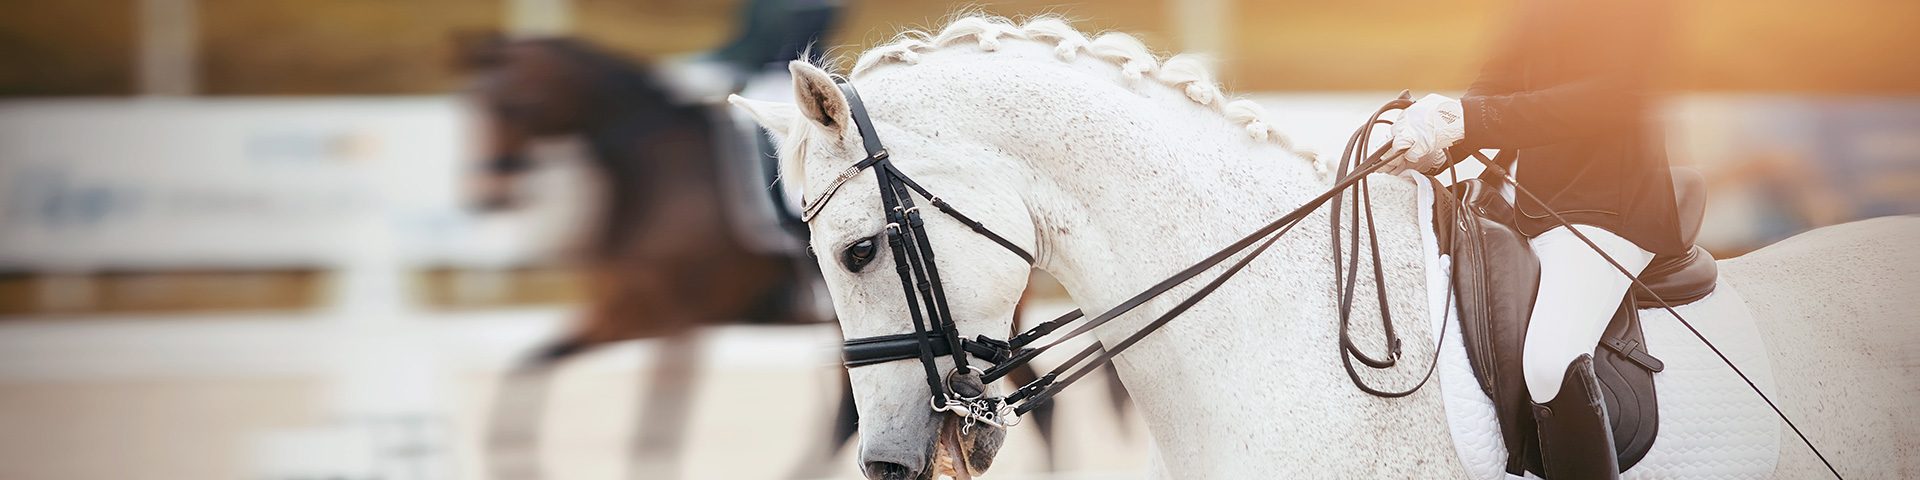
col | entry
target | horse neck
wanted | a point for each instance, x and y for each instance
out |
(1124, 197)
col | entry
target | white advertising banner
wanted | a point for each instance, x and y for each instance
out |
(235, 183)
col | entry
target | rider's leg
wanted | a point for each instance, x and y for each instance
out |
(1579, 292)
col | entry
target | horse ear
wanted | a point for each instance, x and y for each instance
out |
(776, 117)
(818, 97)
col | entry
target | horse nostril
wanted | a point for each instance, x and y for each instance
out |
(886, 471)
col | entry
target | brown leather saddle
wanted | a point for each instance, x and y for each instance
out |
(1496, 276)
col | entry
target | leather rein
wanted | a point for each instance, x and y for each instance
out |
(935, 334)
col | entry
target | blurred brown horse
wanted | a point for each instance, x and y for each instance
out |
(664, 250)
(664, 259)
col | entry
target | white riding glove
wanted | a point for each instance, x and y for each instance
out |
(1424, 132)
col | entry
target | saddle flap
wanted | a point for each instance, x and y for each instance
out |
(1626, 369)
(1496, 277)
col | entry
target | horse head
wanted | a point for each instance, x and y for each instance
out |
(857, 248)
(1106, 165)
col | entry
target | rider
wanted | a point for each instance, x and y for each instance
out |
(1566, 100)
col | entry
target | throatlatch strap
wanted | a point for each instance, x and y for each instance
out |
(971, 224)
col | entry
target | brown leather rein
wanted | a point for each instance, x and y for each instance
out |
(936, 335)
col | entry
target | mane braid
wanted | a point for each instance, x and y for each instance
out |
(1184, 72)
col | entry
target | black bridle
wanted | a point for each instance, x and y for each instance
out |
(935, 334)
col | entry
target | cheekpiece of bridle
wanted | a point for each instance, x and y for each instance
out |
(965, 390)
(962, 391)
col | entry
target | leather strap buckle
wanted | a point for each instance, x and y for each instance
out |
(1635, 353)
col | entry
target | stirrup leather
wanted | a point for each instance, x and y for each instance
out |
(1576, 441)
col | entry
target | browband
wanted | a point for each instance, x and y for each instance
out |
(869, 139)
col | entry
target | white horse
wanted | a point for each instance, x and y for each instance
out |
(1117, 169)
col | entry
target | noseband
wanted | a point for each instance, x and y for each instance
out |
(935, 334)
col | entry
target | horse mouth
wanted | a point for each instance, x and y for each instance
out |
(976, 447)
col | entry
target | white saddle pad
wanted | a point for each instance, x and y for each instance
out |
(1711, 424)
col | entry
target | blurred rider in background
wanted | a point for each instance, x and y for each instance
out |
(769, 33)
(774, 32)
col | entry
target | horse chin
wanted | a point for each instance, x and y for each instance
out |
(979, 443)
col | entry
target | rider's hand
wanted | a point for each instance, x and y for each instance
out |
(1424, 132)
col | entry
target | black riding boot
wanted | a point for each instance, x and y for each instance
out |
(1576, 439)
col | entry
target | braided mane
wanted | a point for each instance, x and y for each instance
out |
(1184, 72)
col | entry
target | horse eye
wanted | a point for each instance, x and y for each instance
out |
(859, 254)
